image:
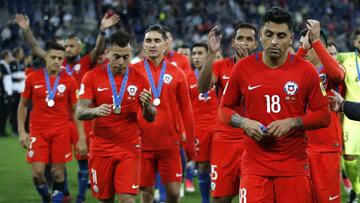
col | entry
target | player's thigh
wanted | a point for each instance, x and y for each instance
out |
(59, 151)
(325, 176)
(225, 168)
(203, 145)
(39, 149)
(102, 176)
(126, 198)
(296, 189)
(127, 173)
(148, 169)
(255, 189)
(169, 165)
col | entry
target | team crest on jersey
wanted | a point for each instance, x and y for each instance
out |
(291, 88)
(61, 88)
(167, 78)
(132, 89)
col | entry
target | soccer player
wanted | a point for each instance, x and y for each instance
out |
(205, 110)
(324, 145)
(51, 91)
(76, 66)
(351, 129)
(185, 50)
(278, 89)
(227, 145)
(161, 138)
(113, 95)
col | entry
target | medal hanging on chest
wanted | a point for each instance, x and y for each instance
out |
(156, 90)
(50, 98)
(118, 97)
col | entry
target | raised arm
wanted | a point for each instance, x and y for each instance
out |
(106, 22)
(24, 23)
(206, 78)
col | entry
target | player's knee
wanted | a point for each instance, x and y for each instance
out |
(38, 176)
(126, 198)
(58, 174)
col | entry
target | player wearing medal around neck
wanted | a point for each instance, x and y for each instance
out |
(51, 91)
(113, 95)
(278, 89)
(161, 138)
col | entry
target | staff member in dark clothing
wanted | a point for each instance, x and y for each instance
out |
(5, 89)
(350, 109)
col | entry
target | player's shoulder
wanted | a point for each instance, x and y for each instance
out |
(35, 73)
(248, 61)
(301, 62)
(224, 61)
(85, 58)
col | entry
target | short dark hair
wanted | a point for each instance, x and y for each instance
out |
(184, 46)
(53, 45)
(278, 15)
(245, 25)
(157, 28)
(17, 51)
(357, 32)
(167, 29)
(200, 44)
(331, 44)
(5, 53)
(323, 35)
(120, 38)
(74, 36)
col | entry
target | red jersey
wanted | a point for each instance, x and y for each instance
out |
(222, 70)
(79, 68)
(274, 94)
(114, 132)
(204, 105)
(43, 117)
(179, 61)
(164, 132)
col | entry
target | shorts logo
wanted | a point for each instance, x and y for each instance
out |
(178, 175)
(134, 186)
(132, 89)
(96, 189)
(61, 88)
(213, 186)
(67, 155)
(167, 78)
(291, 88)
(31, 153)
(331, 198)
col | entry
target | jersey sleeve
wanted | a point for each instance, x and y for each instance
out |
(86, 87)
(27, 94)
(85, 61)
(317, 102)
(232, 96)
(73, 93)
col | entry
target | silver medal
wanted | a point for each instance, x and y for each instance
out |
(51, 103)
(156, 102)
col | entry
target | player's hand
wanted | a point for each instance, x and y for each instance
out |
(214, 39)
(22, 21)
(314, 28)
(81, 147)
(145, 98)
(305, 42)
(336, 101)
(242, 51)
(253, 129)
(281, 127)
(107, 22)
(24, 139)
(103, 110)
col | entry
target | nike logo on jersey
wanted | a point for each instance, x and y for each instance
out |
(331, 198)
(178, 175)
(67, 155)
(192, 86)
(99, 89)
(253, 87)
(225, 77)
(38, 86)
(134, 186)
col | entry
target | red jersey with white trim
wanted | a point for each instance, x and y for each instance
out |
(222, 70)
(179, 61)
(114, 132)
(274, 94)
(164, 132)
(204, 106)
(45, 118)
(79, 68)
(327, 139)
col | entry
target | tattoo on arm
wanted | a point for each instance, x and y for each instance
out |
(237, 121)
(84, 111)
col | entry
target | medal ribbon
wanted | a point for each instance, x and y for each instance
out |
(357, 65)
(156, 91)
(68, 71)
(51, 92)
(118, 97)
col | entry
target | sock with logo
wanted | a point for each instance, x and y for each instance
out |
(352, 173)
(204, 185)
(83, 177)
(58, 192)
(43, 190)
